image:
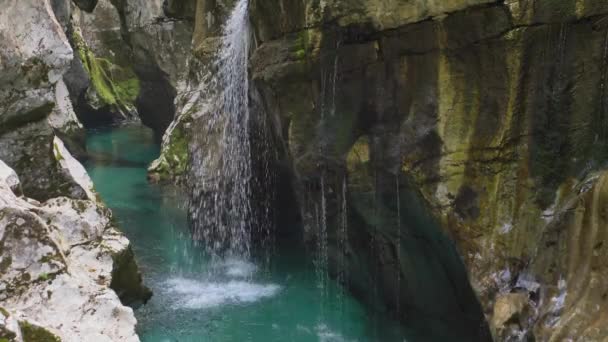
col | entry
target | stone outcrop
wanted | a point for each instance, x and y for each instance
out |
(58, 259)
(34, 53)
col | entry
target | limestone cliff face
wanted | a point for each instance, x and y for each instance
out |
(34, 54)
(480, 121)
(59, 261)
(63, 264)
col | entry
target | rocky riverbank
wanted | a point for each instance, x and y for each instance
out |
(66, 271)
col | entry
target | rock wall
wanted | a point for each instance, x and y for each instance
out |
(480, 121)
(490, 110)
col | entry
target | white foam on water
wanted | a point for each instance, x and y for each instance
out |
(327, 335)
(238, 268)
(194, 294)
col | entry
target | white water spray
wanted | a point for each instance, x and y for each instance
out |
(222, 211)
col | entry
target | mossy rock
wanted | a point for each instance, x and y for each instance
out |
(114, 85)
(175, 156)
(34, 333)
(127, 281)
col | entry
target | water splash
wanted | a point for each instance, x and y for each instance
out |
(222, 171)
(196, 294)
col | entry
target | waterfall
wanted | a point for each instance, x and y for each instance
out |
(234, 104)
(322, 243)
(221, 209)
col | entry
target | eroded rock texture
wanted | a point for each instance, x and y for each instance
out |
(58, 262)
(59, 250)
(479, 121)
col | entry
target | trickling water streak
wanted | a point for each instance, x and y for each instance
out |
(398, 294)
(317, 261)
(335, 77)
(561, 49)
(323, 238)
(374, 251)
(343, 248)
(602, 121)
(223, 218)
(343, 242)
(321, 258)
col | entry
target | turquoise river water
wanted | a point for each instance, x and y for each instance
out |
(196, 299)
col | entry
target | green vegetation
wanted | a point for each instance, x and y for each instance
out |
(115, 85)
(301, 45)
(177, 151)
(58, 155)
(32, 333)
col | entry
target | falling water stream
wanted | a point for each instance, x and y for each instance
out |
(223, 217)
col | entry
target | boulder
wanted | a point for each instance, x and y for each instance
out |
(508, 318)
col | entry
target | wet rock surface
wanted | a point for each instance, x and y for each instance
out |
(481, 116)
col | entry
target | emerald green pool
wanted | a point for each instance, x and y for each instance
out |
(196, 299)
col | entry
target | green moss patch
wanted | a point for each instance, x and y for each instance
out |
(32, 333)
(115, 85)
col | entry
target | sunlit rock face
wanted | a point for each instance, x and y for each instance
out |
(34, 53)
(57, 264)
(63, 264)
